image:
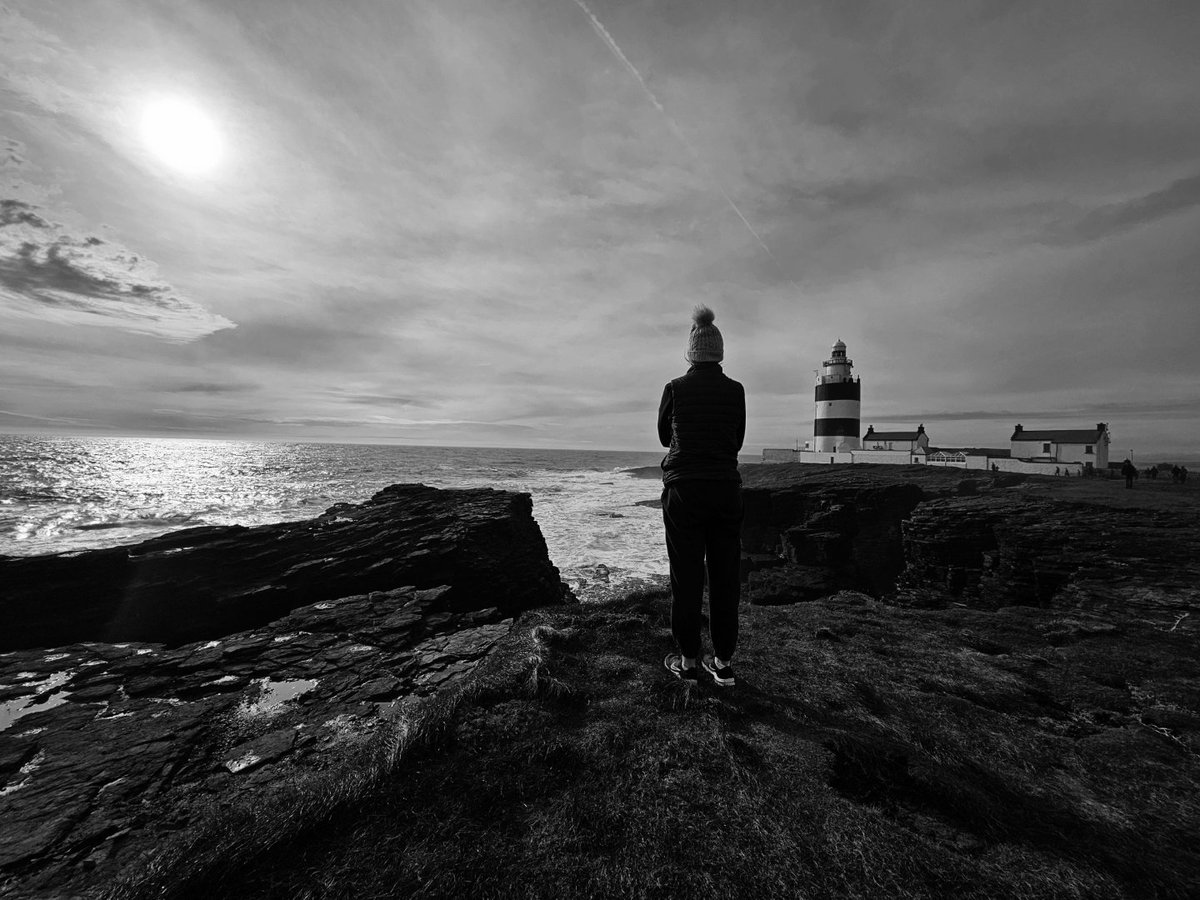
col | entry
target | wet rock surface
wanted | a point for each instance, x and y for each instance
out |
(121, 744)
(202, 583)
(107, 748)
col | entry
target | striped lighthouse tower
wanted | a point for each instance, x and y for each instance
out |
(836, 426)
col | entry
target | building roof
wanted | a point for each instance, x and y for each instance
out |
(1060, 435)
(891, 435)
(992, 452)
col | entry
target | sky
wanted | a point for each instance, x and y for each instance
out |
(486, 222)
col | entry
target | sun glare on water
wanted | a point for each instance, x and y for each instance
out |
(181, 135)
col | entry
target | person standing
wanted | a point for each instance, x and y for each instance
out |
(702, 420)
(1129, 470)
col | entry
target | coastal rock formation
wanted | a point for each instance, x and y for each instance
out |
(123, 743)
(105, 747)
(868, 750)
(1056, 617)
(828, 528)
(1018, 550)
(203, 583)
(923, 536)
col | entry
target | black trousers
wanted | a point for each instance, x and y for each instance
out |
(703, 520)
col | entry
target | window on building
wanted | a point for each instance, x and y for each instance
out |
(1087, 448)
(1045, 448)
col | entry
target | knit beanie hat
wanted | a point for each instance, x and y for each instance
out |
(705, 343)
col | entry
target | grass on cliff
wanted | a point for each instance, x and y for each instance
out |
(867, 751)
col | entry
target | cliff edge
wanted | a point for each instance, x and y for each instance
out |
(148, 688)
(949, 684)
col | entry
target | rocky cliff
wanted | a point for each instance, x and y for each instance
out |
(157, 682)
(920, 536)
(1014, 549)
(813, 530)
(1016, 713)
(203, 583)
(157, 687)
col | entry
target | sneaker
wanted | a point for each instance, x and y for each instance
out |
(722, 675)
(674, 665)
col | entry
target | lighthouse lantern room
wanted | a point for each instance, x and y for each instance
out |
(836, 425)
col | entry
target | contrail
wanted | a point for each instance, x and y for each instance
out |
(602, 32)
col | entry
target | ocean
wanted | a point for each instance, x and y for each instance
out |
(61, 494)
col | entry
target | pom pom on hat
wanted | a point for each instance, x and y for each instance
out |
(705, 343)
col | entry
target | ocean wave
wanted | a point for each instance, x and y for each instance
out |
(643, 472)
(25, 495)
(172, 521)
(71, 495)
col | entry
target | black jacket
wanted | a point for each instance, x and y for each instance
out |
(702, 418)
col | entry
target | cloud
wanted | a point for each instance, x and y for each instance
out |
(56, 420)
(47, 273)
(475, 214)
(12, 154)
(572, 402)
(14, 212)
(389, 422)
(1115, 218)
(368, 399)
(207, 388)
(1088, 412)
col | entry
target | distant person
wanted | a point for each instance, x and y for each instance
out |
(702, 419)
(1129, 470)
(1154, 473)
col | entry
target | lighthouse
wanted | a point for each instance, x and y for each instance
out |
(836, 425)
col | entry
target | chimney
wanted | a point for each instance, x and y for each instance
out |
(1018, 429)
(920, 429)
(1101, 426)
(870, 429)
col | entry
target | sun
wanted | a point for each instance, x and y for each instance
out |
(182, 135)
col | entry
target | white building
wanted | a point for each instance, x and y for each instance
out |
(1087, 447)
(911, 441)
